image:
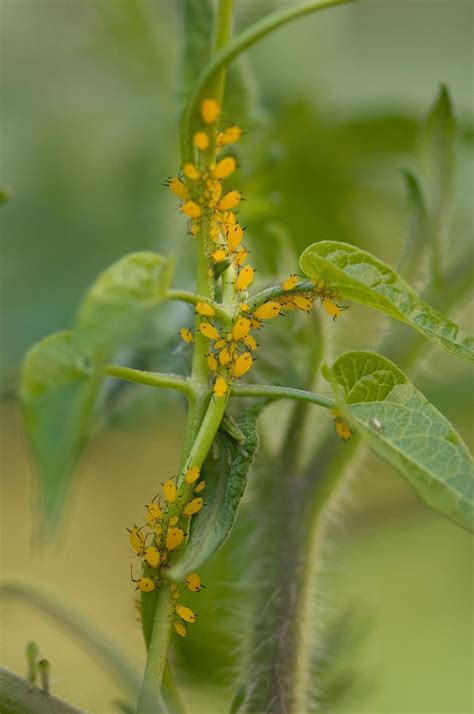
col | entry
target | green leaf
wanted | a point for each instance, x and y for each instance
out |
(357, 275)
(406, 430)
(197, 19)
(119, 302)
(225, 471)
(58, 395)
(417, 228)
(437, 147)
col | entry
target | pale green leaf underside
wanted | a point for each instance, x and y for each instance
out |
(225, 473)
(359, 276)
(406, 430)
(58, 395)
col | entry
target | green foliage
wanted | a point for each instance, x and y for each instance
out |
(118, 303)
(437, 149)
(406, 430)
(58, 394)
(225, 472)
(359, 276)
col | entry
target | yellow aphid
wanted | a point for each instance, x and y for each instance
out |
(216, 191)
(251, 342)
(150, 520)
(191, 209)
(241, 328)
(185, 613)
(158, 529)
(192, 474)
(146, 585)
(154, 509)
(224, 357)
(219, 255)
(268, 310)
(220, 387)
(194, 229)
(175, 592)
(193, 507)
(180, 629)
(137, 541)
(200, 487)
(224, 167)
(169, 490)
(212, 363)
(302, 302)
(210, 110)
(173, 520)
(201, 140)
(228, 218)
(193, 582)
(342, 429)
(288, 303)
(186, 335)
(242, 364)
(177, 187)
(245, 278)
(234, 234)
(331, 308)
(191, 172)
(241, 256)
(174, 538)
(152, 556)
(229, 136)
(204, 309)
(244, 307)
(230, 201)
(209, 331)
(220, 344)
(290, 283)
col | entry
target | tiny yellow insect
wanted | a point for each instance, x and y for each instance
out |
(186, 335)
(251, 342)
(219, 255)
(194, 583)
(145, 585)
(152, 556)
(342, 429)
(191, 172)
(169, 490)
(192, 474)
(224, 356)
(245, 278)
(173, 520)
(303, 303)
(229, 201)
(154, 509)
(204, 309)
(193, 507)
(201, 140)
(229, 136)
(210, 110)
(174, 538)
(290, 282)
(242, 365)
(234, 234)
(224, 167)
(209, 331)
(137, 541)
(180, 629)
(177, 187)
(211, 363)
(191, 209)
(241, 328)
(331, 308)
(220, 387)
(185, 613)
(268, 310)
(241, 257)
(200, 487)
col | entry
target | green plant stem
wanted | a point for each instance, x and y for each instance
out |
(277, 291)
(233, 49)
(170, 694)
(152, 379)
(270, 392)
(193, 298)
(18, 696)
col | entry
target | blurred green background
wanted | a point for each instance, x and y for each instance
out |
(89, 132)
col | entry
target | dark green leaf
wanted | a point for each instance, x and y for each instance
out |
(357, 275)
(409, 432)
(58, 394)
(119, 302)
(225, 471)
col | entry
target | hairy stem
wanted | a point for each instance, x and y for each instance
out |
(269, 392)
(152, 379)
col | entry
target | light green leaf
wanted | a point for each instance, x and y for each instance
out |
(58, 395)
(417, 240)
(225, 471)
(437, 147)
(197, 19)
(359, 276)
(406, 430)
(119, 302)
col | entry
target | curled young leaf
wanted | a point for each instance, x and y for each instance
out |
(406, 430)
(359, 276)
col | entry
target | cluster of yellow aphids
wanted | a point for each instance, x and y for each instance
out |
(163, 533)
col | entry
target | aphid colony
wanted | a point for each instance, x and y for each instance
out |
(161, 536)
(212, 210)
